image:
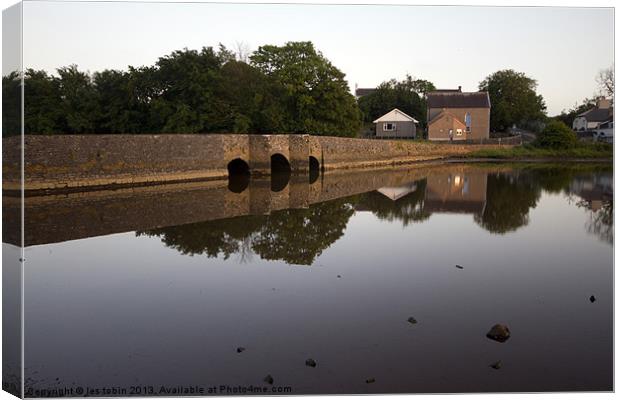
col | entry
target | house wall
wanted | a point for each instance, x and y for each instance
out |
(403, 129)
(480, 121)
(440, 129)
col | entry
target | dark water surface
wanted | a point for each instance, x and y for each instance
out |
(160, 286)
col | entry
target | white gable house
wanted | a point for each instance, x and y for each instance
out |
(395, 124)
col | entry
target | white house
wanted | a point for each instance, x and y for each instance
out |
(395, 124)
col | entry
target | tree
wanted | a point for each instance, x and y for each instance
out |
(253, 99)
(317, 99)
(605, 81)
(78, 102)
(408, 95)
(43, 113)
(11, 104)
(556, 135)
(513, 99)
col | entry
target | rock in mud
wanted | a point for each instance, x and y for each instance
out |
(370, 380)
(269, 379)
(459, 266)
(311, 363)
(496, 365)
(339, 276)
(240, 349)
(499, 333)
(412, 320)
(592, 299)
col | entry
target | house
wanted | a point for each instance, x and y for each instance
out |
(457, 115)
(395, 124)
(594, 117)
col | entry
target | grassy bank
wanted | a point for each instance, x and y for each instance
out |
(527, 151)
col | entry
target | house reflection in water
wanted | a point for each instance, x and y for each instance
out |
(449, 192)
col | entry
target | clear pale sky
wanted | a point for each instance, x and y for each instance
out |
(562, 48)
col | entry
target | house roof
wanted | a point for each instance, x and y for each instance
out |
(359, 92)
(457, 99)
(444, 113)
(597, 114)
(395, 193)
(395, 116)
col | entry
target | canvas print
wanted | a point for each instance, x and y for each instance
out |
(210, 199)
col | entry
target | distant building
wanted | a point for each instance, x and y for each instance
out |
(594, 117)
(596, 123)
(457, 115)
(361, 92)
(395, 124)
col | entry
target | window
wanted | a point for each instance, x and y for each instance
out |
(389, 126)
(467, 122)
(459, 132)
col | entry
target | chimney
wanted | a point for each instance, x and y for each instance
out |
(603, 103)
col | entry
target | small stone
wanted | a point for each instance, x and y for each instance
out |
(311, 363)
(370, 380)
(592, 299)
(240, 349)
(269, 379)
(496, 365)
(339, 276)
(412, 320)
(499, 333)
(458, 266)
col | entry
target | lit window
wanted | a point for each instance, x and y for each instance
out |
(388, 126)
(459, 132)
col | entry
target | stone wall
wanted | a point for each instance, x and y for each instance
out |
(89, 161)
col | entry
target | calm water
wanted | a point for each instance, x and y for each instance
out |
(160, 286)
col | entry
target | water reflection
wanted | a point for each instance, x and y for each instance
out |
(500, 201)
(304, 218)
(125, 309)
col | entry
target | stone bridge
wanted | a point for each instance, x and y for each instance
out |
(85, 162)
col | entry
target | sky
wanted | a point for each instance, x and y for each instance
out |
(562, 48)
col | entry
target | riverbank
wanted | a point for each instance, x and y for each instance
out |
(589, 151)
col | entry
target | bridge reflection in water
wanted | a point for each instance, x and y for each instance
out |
(293, 219)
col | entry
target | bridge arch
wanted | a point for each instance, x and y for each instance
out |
(280, 164)
(314, 169)
(238, 175)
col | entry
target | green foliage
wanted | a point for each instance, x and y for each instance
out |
(513, 99)
(316, 96)
(288, 89)
(408, 95)
(556, 135)
(11, 105)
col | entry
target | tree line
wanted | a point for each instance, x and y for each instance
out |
(291, 88)
(282, 89)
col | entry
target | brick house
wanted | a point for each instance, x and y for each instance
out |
(458, 115)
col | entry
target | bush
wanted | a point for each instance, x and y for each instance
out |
(556, 135)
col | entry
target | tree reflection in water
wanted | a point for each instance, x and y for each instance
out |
(299, 236)
(296, 236)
